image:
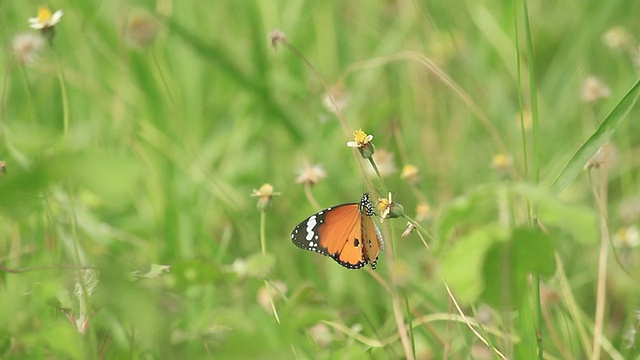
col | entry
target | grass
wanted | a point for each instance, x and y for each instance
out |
(133, 143)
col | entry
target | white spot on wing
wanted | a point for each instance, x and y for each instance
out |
(311, 223)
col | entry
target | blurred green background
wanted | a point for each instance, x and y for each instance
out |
(132, 141)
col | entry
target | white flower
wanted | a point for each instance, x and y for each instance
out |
(627, 237)
(45, 19)
(26, 47)
(593, 89)
(361, 139)
(310, 174)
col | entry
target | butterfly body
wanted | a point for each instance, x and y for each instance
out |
(346, 233)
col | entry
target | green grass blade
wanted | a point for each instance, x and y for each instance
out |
(254, 84)
(599, 138)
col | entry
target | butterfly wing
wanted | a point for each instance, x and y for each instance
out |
(373, 242)
(335, 232)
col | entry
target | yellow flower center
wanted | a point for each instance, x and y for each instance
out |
(501, 161)
(382, 204)
(409, 170)
(359, 136)
(44, 14)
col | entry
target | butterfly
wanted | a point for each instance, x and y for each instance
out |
(346, 233)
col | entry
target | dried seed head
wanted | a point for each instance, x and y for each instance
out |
(142, 29)
(277, 37)
(27, 47)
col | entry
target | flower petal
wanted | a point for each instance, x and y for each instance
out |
(55, 18)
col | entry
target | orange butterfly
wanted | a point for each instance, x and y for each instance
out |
(346, 233)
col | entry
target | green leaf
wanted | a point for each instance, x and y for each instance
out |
(604, 132)
(462, 265)
(533, 251)
(60, 338)
(508, 265)
(581, 222)
(478, 206)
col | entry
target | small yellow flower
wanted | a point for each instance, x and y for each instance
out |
(45, 19)
(409, 173)
(501, 163)
(362, 142)
(361, 139)
(388, 209)
(526, 118)
(627, 237)
(310, 174)
(423, 212)
(265, 194)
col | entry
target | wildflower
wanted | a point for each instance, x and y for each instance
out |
(423, 212)
(310, 174)
(501, 163)
(336, 99)
(277, 37)
(3, 167)
(264, 194)
(142, 29)
(26, 47)
(603, 158)
(384, 162)
(627, 237)
(388, 209)
(593, 89)
(363, 143)
(321, 335)
(45, 19)
(409, 173)
(45, 22)
(239, 267)
(617, 38)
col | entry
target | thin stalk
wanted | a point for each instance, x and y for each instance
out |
(601, 200)
(65, 103)
(263, 249)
